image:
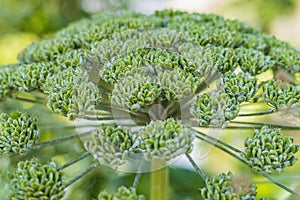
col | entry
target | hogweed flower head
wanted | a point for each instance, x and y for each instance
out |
(123, 193)
(166, 139)
(110, 145)
(240, 86)
(18, 133)
(149, 78)
(282, 95)
(269, 151)
(33, 180)
(226, 186)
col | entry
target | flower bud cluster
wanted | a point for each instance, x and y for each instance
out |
(5, 84)
(222, 187)
(110, 144)
(123, 193)
(166, 139)
(18, 133)
(71, 94)
(33, 180)
(269, 151)
(281, 95)
(241, 86)
(214, 108)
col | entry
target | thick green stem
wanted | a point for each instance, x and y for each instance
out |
(159, 180)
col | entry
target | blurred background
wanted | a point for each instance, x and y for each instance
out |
(22, 22)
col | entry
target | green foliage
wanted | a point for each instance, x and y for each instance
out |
(18, 133)
(267, 11)
(33, 180)
(269, 150)
(122, 194)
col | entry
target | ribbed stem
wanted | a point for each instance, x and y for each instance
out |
(159, 180)
(219, 141)
(138, 175)
(84, 172)
(57, 140)
(71, 162)
(198, 170)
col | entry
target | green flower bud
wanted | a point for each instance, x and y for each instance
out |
(166, 139)
(123, 193)
(269, 151)
(135, 91)
(214, 109)
(288, 58)
(197, 60)
(71, 94)
(240, 86)
(6, 86)
(18, 133)
(176, 84)
(46, 50)
(281, 95)
(157, 58)
(254, 61)
(225, 186)
(33, 180)
(110, 145)
(29, 77)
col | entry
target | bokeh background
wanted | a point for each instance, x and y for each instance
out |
(22, 22)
